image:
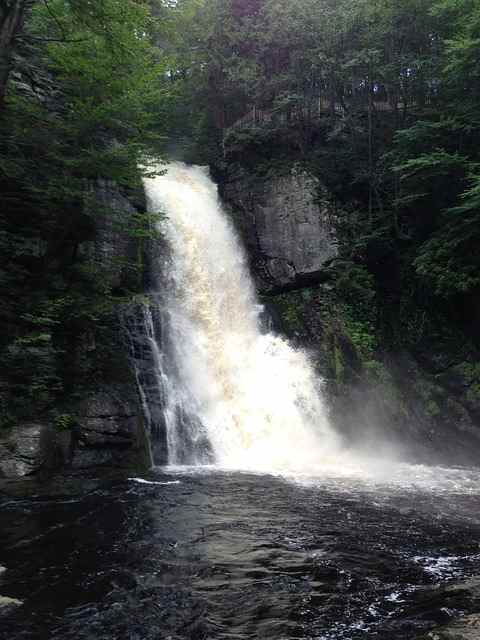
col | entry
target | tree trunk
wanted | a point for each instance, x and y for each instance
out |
(12, 14)
(370, 145)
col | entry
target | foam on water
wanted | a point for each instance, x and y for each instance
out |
(153, 482)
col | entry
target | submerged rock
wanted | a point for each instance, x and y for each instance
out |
(466, 628)
(7, 604)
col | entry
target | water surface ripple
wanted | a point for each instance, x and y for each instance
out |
(191, 554)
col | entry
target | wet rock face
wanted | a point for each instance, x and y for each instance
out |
(466, 627)
(109, 430)
(21, 451)
(114, 215)
(144, 328)
(33, 449)
(288, 226)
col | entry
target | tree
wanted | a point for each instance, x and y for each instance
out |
(97, 120)
(12, 19)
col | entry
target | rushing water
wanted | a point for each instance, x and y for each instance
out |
(252, 400)
(273, 532)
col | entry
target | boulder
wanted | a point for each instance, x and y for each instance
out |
(24, 450)
(7, 604)
(466, 627)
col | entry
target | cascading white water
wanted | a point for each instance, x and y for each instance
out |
(253, 396)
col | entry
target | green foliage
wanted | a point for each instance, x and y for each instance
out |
(449, 261)
(64, 422)
(380, 100)
(360, 330)
(356, 289)
(31, 362)
(356, 286)
(432, 397)
(432, 409)
(111, 78)
(439, 162)
(89, 121)
(470, 371)
(376, 369)
(7, 420)
(291, 307)
(436, 163)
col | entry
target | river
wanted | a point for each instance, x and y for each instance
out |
(209, 554)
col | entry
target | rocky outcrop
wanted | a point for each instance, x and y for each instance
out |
(287, 223)
(99, 424)
(27, 449)
(114, 246)
(109, 431)
(32, 80)
(143, 327)
(105, 431)
(7, 604)
(466, 627)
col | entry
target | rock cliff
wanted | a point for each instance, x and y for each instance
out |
(424, 404)
(287, 224)
(101, 427)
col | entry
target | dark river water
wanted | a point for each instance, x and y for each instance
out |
(209, 554)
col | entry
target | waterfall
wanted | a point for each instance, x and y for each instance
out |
(235, 395)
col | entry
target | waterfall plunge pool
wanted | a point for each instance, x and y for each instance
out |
(206, 554)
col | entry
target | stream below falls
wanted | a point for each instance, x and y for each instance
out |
(201, 554)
